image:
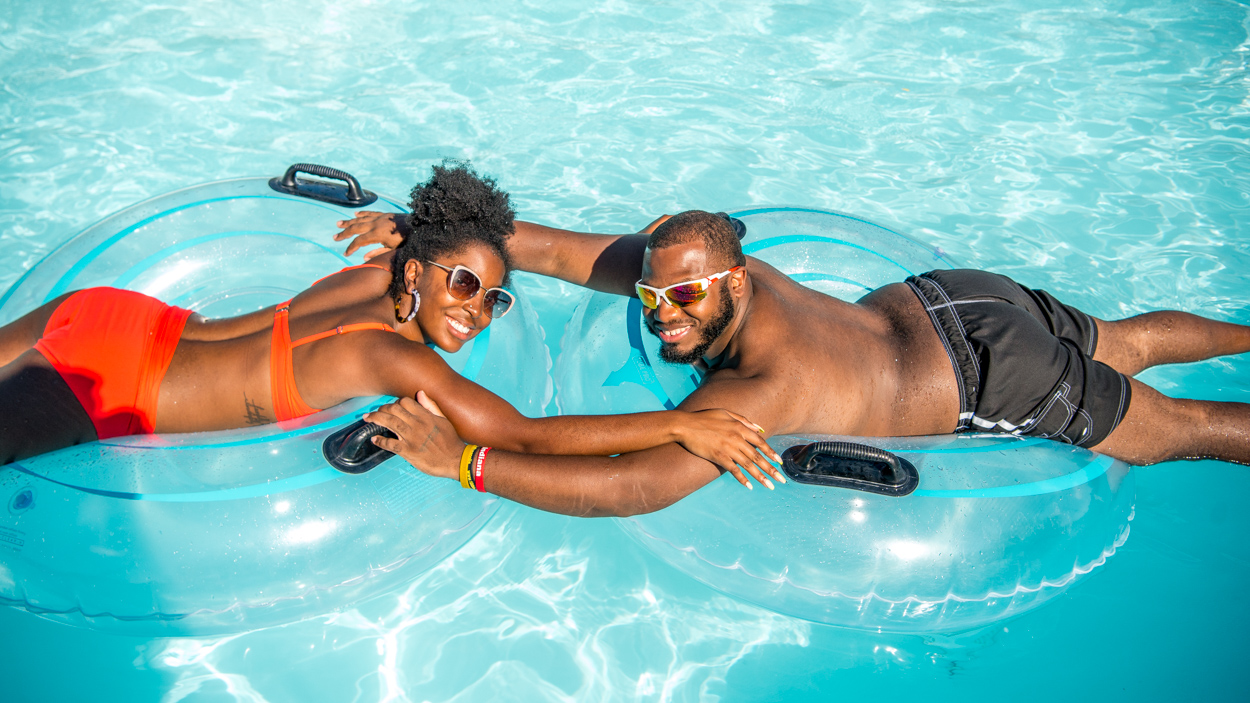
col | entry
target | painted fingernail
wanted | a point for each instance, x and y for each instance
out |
(769, 484)
(781, 478)
(749, 486)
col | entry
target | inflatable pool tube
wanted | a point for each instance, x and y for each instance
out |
(997, 525)
(225, 531)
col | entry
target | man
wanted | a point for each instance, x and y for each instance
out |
(942, 352)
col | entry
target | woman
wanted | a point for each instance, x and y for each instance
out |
(103, 362)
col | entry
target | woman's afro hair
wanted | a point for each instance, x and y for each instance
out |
(452, 210)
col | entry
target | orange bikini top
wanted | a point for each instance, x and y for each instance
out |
(288, 404)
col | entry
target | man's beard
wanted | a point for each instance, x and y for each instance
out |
(708, 333)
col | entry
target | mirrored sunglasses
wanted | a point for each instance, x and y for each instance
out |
(679, 295)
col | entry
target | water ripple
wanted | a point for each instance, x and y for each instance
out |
(1098, 149)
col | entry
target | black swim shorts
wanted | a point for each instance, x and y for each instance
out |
(1022, 359)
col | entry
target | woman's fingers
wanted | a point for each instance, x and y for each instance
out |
(767, 468)
(742, 466)
(745, 421)
(377, 252)
(737, 473)
(763, 447)
(757, 439)
(751, 468)
(762, 453)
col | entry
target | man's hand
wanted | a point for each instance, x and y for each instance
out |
(655, 223)
(732, 442)
(371, 228)
(426, 440)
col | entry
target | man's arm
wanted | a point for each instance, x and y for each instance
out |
(629, 484)
(603, 262)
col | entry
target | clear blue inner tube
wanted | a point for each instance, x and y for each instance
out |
(997, 526)
(225, 531)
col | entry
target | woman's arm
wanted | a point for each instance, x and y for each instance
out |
(205, 329)
(629, 484)
(481, 417)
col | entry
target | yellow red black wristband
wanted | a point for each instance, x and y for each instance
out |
(478, 463)
(466, 466)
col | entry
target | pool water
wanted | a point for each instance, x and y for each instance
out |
(1096, 149)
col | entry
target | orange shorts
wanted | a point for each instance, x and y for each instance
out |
(113, 347)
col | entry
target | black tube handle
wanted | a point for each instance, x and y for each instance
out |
(845, 450)
(850, 465)
(350, 195)
(353, 185)
(351, 449)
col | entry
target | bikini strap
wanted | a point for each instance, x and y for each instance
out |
(287, 402)
(350, 268)
(283, 310)
(344, 329)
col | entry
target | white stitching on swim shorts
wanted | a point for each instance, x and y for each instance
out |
(1119, 413)
(1067, 421)
(950, 353)
(953, 303)
(1093, 338)
(976, 365)
(1089, 425)
(1060, 392)
(1003, 425)
(1037, 417)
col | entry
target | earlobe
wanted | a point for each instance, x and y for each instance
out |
(412, 271)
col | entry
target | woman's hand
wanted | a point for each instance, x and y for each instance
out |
(730, 441)
(425, 440)
(371, 228)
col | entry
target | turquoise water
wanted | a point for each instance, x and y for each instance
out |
(1096, 149)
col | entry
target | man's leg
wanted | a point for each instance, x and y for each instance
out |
(1165, 337)
(1158, 428)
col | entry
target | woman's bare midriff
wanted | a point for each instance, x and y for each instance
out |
(219, 375)
(220, 384)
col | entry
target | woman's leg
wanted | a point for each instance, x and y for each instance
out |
(1166, 337)
(39, 412)
(1158, 428)
(22, 333)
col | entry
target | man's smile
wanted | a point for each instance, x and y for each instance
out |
(673, 334)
